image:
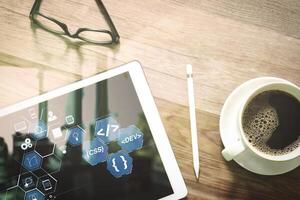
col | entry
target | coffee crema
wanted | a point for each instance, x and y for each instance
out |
(271, 122)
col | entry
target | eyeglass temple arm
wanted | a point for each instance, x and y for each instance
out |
(108, 19)
(35, 8)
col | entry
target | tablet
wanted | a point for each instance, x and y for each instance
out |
(98, 138)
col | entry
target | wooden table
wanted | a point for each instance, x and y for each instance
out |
(228, 42)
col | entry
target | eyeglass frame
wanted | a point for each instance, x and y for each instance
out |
(115, 37)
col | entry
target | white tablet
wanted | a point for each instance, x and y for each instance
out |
(98, 138)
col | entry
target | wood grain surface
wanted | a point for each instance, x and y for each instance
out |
(227, 41)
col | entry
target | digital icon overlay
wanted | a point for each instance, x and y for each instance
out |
(34, 195)
(26, 144)
(75, 135)
(107, 129)
(131, 138)
(27, 181)
(32, 161)
(119, 164)
(20, 126)
(69, 119)
(47, 184)
(51, 116)
(38, 182)
(95, 152)
(40, 130)
(57, 133)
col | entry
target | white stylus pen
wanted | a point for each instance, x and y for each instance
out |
(192, 108)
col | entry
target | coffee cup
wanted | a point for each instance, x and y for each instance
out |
(242, 143)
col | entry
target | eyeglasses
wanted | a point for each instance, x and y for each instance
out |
(95, 36)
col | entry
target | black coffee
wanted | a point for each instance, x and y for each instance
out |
(271, 122)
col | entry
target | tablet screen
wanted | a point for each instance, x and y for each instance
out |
(92, 143)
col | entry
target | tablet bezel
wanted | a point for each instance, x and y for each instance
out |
(150, 110)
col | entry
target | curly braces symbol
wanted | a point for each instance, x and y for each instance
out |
(114, 163)
(124, 161)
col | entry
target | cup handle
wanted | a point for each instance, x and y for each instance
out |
(235, 149)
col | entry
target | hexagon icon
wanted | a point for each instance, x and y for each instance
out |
(39, 130)
(44, 147)
(107, 129)
(119, 164)
(14, 193)
(47, 184)
(32, 161)
(34, 195)
(131, 138)
(95, 151)
(51, 164)
(75, 135)
(27, 181)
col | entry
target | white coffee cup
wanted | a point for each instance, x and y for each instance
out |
(241, 144)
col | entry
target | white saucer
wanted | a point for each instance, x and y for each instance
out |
(230, 132)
